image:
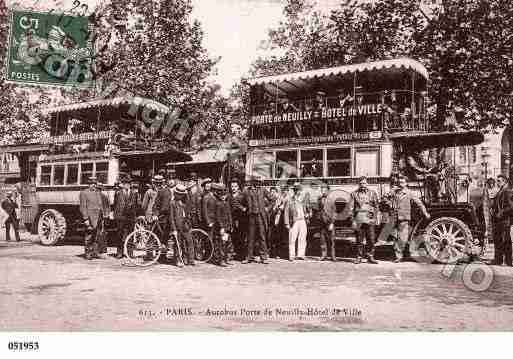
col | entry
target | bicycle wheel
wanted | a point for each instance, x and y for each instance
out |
(142, 247)
(203, 245)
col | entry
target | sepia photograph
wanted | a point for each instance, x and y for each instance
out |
(255, 166)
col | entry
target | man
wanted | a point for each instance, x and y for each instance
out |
(180, 223)
(327, 221)
(295, 216)
(127, 205)
(102, 238)
(9, 206)
(223, 226)
(502, 211)
(402, 200)
(161, 210)
(208, 207)
(364, 208)
(274, 235)
(239, 215)
(257, 224)
(93, 210)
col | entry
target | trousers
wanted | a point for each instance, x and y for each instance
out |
(15, 225)
(256, 235)
(502, 243)
(365, 231)
(297, 234)
(403, 232)
(183, 247)
(327, 241)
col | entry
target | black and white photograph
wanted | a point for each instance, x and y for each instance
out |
(255, 166)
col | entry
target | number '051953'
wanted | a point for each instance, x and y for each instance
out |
(23, 346)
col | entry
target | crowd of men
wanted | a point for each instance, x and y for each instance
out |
(249, 223)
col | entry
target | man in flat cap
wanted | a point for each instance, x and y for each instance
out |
(363, 205)
(208, 207)
(93, 210)
(127, 206)
(180, 224)
(9, 205)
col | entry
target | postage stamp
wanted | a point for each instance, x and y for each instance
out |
(49, 49)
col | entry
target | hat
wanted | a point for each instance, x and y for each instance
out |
(9, 193)
(92, 179)
(218, 187)
(180, 189)
(321, 93)
(206, 180)
(158, 179)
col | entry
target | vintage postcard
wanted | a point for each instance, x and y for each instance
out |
(243, 165)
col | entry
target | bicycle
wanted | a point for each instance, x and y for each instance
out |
(143, 247)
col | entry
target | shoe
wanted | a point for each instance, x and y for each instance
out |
(371, 260)
(323, 258)
(398, 260)
(333, 259)
(300, 258)
(221, 264)
(102, 256)
(358, 260)
(291, 259)
(179, 264)
(228, 263)
(264, 261)
(119, 255)
(89, 257)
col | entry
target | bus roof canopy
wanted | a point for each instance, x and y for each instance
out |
(293, 82)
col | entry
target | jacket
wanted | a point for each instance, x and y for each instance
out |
(223, 217)
(327, 210)
(162, 202)
(238, 205)
(363, 205)
(292, 209)
(149, 201)
(180, 216)
(92, 206)
(502, 207)
(197, 209)
(402, 200)
(209, 208)
(255, 198)
(9, 206)
(126, 205)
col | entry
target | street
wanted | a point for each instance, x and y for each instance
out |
(55, 289)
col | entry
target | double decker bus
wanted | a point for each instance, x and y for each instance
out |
(337, 124)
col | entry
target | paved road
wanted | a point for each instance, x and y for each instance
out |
(54, 288)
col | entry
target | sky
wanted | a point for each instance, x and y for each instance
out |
(233, 29)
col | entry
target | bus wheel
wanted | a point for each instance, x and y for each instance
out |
(51, 227)
(447, 239)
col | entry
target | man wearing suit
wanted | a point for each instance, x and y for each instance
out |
(93, 209)
(9, 206)
(180, 224)
(239, 209)
(257, 223)
(295, 216)
(327, 222)
(364, 207)
(502, 211)
(223, 226)
(402, 200)
(127, 205)
(208, 207)
(161, 208)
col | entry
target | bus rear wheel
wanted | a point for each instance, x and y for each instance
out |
(51, 227)
(447, 239)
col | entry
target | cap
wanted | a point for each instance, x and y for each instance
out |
(321, 93)
(218, 187)
(206, 180)
(158, 179)
(9, 193)
(92, 179)
(180, 189)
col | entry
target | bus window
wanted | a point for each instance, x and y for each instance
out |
(86, 172)
(311, 163)
(286, 164)
(263, 164)
(339, 162)
(46, 173)
(72, 174)
(367, 162)
(58, 175)
(102, 172)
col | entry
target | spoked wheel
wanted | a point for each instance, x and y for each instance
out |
(51, 227)
(448, 240)
(203, 245)
(142, 247)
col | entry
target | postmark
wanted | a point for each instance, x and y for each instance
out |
(47, 48)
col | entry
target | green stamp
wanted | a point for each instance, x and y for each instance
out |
(50, 49)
